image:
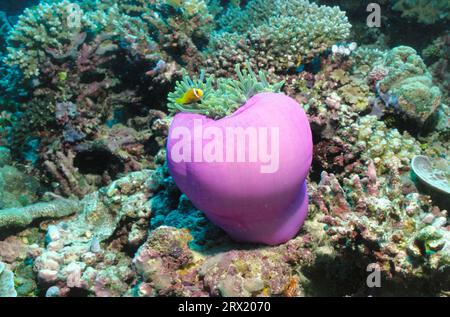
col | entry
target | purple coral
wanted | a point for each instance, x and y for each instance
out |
(249, 200)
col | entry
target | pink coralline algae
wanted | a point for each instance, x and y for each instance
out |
(261, 198)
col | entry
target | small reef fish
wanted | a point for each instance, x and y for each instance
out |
(62, 76)
(300, 66)
(236, 3)
(174, 3)
(190, 96)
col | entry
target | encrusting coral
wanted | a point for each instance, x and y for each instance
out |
(374, 217)
(74, 256)
(21, 217)
(376, 142)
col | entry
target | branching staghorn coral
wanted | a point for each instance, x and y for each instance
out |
(5, 27)
(177, 26)
(223, 96)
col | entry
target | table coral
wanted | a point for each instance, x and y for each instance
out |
(275, 34)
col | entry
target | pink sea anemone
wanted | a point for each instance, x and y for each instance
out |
(247, 172)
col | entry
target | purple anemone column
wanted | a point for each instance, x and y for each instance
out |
(262, 200)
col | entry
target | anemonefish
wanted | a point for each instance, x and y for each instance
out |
(190, 96)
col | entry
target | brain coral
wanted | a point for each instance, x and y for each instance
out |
(409, 80)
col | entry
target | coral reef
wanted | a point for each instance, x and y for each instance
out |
(24, 216)
(168, 267)
(437, 56)
(5, 156)
(5, 27)
(74, 256)
(408, 86)
(223, 96)
(274, 35)
(6, 282)
(377, 218)
(90, 88)
(95, 65)
(424, 11)
(16, 187)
